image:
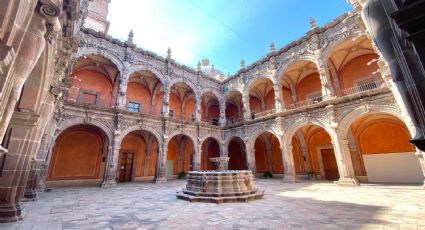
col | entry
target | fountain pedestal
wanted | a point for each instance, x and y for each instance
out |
(220, 186)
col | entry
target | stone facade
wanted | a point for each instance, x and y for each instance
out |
(31, 131)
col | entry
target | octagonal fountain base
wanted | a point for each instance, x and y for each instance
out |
(220, 187)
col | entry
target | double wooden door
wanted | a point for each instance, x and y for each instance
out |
(126, 166)
(329, 164)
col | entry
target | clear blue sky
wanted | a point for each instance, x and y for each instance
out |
(222, 30)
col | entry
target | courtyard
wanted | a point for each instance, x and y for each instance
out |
(306, 205)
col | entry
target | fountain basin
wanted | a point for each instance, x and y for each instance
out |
(220, 187)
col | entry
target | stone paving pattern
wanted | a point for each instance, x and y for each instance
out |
(318, 205)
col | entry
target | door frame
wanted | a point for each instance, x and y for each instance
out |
(132, 164)
(320, 159)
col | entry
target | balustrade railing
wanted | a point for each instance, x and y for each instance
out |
(263, 113)
(363, 87)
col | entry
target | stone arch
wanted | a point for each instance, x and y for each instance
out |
(82, 121)
(256, 79)
(305, 57)
(135, 68)
(209, 90)
(260, 131)
(105, 54)
(291, 130)
(215, 137)
(329, 48)
(230, 138)
(188, 83)
(133, 128)
(346, 121)
(206, 153)
(179, 132)
(230, 91)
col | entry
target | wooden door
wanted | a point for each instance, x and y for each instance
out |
(329, 164)
(126, 166)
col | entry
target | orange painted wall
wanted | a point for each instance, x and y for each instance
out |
(77, 155)
(297, 155)
(139, 93)
(214, 112)
(287, 96)
(175, 104)
(92, 80)
(189, 108)
(232, 111)
(357, 68)
(319, 138)
(158, 103)
(260, 156)
(277, 160)
(384, 137)
(210, 148)
(269, 100)
(254, 104)
(142, 165)
(172, 154)
(308, 85)
(237, 156)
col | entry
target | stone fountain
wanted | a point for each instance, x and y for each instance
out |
(220, 186)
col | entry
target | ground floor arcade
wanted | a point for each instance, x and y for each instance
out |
(373, 147)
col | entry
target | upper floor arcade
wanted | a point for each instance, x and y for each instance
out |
(329, 64)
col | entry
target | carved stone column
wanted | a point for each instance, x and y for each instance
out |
(198, 101)
(250, 157)
(165, 101)
(222, 112)
(344, 162)
(122, 92)
(160, 163)
(197, 157)
(306, 158)
(278, 97)
(224, 152)
(421, 156)
(288, 163)
(327, 90)
(111, 167)
(246, 109)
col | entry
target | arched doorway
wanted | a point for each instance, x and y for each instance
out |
(182, 102)
(314, 154)
(234, 108)
(78, 157)
(210, 148)
(137, 157)
(180, 155)
(237, 154)
(381, 152)
(210, 108)
(268, 155)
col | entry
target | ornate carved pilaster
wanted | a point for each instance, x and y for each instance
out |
(327, 90)
(246, 109)
(288, 163)
(198, 101)
(222, 112)
(160, 163)
(122, 91)
(278, 97)
(166, 100)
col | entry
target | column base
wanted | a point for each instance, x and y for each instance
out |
(159, 180)
(290, 179)
(30, 195)
(10, 213)
(2, 150)
(347, 182)
(108, 183)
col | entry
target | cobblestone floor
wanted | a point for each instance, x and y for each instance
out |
(285, 206)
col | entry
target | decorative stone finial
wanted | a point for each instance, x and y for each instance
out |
(130, 36)
(313, 23)
(212, 70)
(168, 53)
(205, 62)
(242, 64)
(199, 65)
(272, 48)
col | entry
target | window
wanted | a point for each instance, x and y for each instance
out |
(171, 113)
(214, 122)
(89, 98)
(192, 117)
(133, 106)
